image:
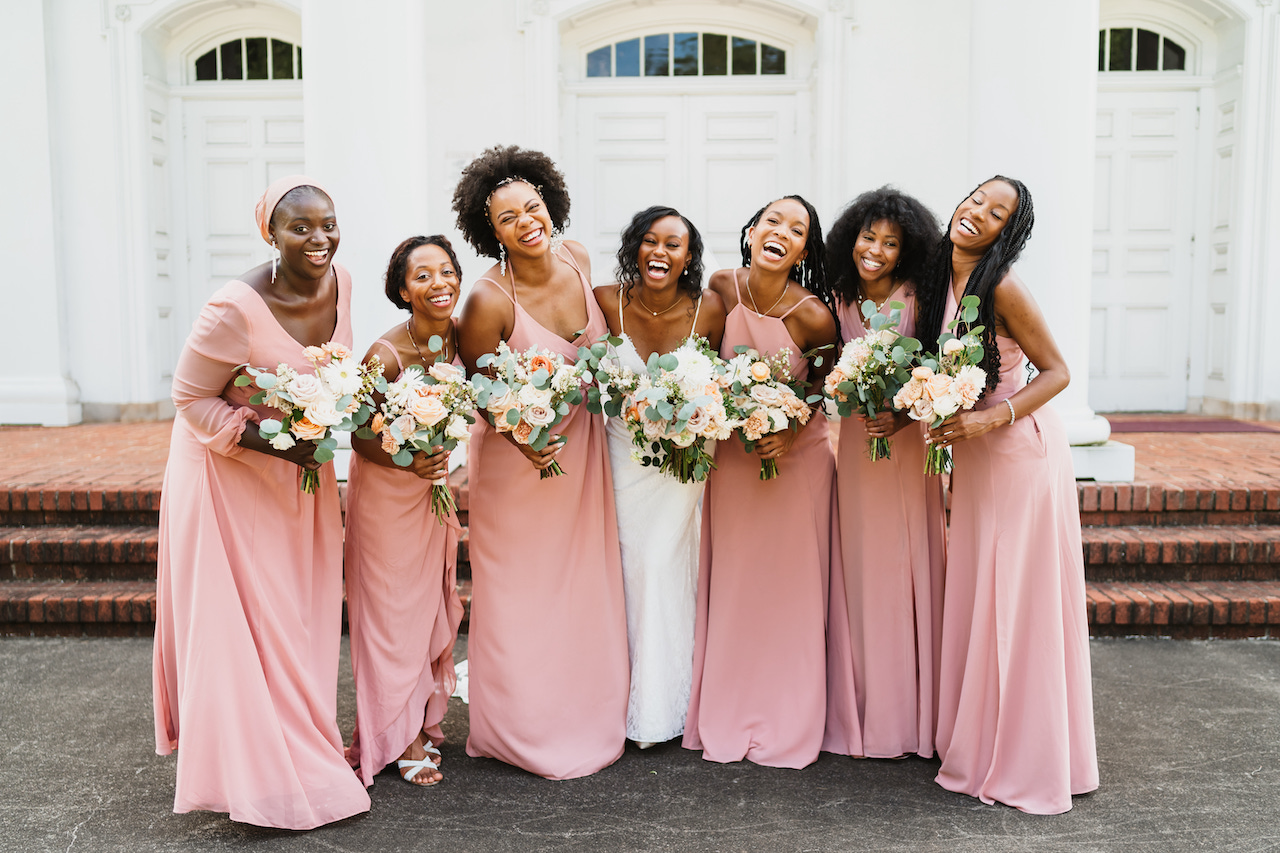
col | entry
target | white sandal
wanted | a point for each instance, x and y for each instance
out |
(410, 769)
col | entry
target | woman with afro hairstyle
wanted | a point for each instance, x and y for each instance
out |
(401, 563)
(656, 306)
(891, 521)
(759, 669)
(548, 630)
(1015, 708)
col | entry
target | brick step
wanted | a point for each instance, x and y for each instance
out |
(64, 505)
(1176, 504)
(1185, 610)
(80, 553)
(1185, 553)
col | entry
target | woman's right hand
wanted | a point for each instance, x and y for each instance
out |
(543, 458)
(434, 466)
(885, 424)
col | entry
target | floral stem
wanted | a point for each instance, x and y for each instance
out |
(878, 448)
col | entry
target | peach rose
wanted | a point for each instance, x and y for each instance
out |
(305, 430)
(922, 372)
(428, 409)
(333, 349)
(314, 353)
(522, 432)
(759, 371)
(542, 362)
(937, 386)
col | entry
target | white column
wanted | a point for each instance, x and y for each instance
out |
(1033, 93)
(34, 383)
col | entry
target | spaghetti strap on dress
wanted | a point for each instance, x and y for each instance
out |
(403, 608)
(547, 644)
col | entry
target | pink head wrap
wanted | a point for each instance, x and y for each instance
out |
(278, 190)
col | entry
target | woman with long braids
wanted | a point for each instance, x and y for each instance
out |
(1015, 712)
(401, 563)
(658, 303)
(548, 631)
(759, 671)
(891, 520)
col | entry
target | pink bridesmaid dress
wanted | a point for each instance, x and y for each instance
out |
(759, 665)
(1015, 715)
(403, 609)
(893, 541)
(249, 591)
(547, 646)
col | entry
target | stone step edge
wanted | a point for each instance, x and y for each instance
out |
(1190, 544)
(1198, 609)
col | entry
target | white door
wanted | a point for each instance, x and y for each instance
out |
(1142, 251)
(715, 158)
(234, 149)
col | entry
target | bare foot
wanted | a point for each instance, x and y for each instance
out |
(416, 752)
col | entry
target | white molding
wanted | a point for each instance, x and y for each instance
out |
(48, 401)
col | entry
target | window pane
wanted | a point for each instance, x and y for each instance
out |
(231, 69)
(1175, 56)
(299, 63)
(744, 56)
(773, 60)
(207, 66)
(599, 62)
(255, 52)
(281, 60)
(627, 58)
(1148, 51)
(1121, 50)
(686, 58)
(715, 54)
(657, 55)
(1102, 50)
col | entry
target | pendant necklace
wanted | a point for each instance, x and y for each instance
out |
(640, 299)
(444, 349)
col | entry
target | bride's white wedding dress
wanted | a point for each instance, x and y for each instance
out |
(659, 522)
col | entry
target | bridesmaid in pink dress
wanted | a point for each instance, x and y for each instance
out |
(1015, 716)
(759, 666)
(547, 645)
(892, 525)
(401, 562)
(249, 586)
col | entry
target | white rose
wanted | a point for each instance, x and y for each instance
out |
(539, 415)
(531, 396)
(458, 428)
(887, 336)
(323, 412)
(282, 441)
(305, 389)
(947, 406)
(766, 395)
(443, 371)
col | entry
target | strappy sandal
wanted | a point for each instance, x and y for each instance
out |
(410, 768)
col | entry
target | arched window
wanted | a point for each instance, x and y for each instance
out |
(1134, 49)
(686, 55)
(251, 58)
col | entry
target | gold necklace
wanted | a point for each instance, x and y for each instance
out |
(444, 347)
(892, 287)
(640, 299)
(760, 313)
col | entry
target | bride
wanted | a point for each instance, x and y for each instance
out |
(657, 304)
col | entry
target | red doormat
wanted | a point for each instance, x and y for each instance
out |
(1176, 423)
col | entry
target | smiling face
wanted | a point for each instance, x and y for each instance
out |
(981, 217)
(520, 219)
(875, 252)
(664, 252)
(305, 230)
(778, 238)
(431, 282)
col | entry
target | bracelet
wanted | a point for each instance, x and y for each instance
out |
(1012, 414)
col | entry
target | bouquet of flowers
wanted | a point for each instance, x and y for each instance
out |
(671, 410)
(871, 370)
(423, 410)
(764, 399)
(338, 396)
(948, 382)
(528, 394)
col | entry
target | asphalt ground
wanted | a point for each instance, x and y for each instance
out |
(1188, 740)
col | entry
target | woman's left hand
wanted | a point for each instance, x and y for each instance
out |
(965, 425)
(884, 424)
(776, 444)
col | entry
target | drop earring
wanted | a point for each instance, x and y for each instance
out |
(502, 259)
(275, 253)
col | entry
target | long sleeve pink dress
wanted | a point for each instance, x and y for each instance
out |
(403, 609)
(893, 541)
(1015, 714)
(760, 656)
(249, 591)
(547, 647)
